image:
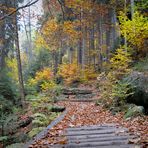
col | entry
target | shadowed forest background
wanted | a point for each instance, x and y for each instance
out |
(100, 45)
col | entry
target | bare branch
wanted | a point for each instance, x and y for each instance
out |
(62, 8)
(24, 6)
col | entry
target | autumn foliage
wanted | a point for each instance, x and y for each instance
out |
(43, 79)
(69, 72)
(72, 72)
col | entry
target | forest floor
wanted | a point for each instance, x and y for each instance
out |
(88, 113)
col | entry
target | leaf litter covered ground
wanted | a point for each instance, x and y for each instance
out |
(84, 113)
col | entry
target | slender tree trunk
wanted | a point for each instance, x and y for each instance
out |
(125, 34)
(100, 41)
(132, 8)
(83, 48)
(2, 42)
(108, 34)
(20, 76)
(92, 44)
(56, 57)
(79, 54)
(30, 35)
(61, 53)
(70, 55)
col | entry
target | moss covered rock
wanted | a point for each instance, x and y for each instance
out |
(135, 111)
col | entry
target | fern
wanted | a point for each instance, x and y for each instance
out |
(38, 123)
(35, 131)
(40, 116)
(39, 120)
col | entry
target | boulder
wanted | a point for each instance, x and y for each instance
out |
(25, 122)
(135, 111)
(57, 109)
(139, 82)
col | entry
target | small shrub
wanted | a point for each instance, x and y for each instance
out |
(110, 85)
(88, 74)
(43, 80)
(69, 72)
(120, 64)
(121, 90)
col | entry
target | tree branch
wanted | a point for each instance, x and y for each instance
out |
(61, 4)
(24, 6)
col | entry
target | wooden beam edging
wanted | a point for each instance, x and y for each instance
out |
(43, 133)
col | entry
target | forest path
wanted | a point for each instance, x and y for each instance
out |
(82, 114)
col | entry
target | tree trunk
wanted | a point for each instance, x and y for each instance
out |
(83, 48)
(100, 42)
(30, 35)
(56, 57)
(79, 54)
(70, 54)
(125, 34)
(108, 34)
(132, 8)
(92, 44)
(2, 42)
(20, 76)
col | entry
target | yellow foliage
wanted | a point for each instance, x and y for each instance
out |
(70, 31)
(52, 32)
(88, 74)
(32, 82)
(136, 29)
(50, 35)
(119, 67)
(120, 63)
(70, 72)
(45, 74)
(40, 42)
(43, 78)
(79, 4)
(12, 65)
(47, 85)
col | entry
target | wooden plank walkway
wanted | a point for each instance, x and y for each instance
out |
(101, 136)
